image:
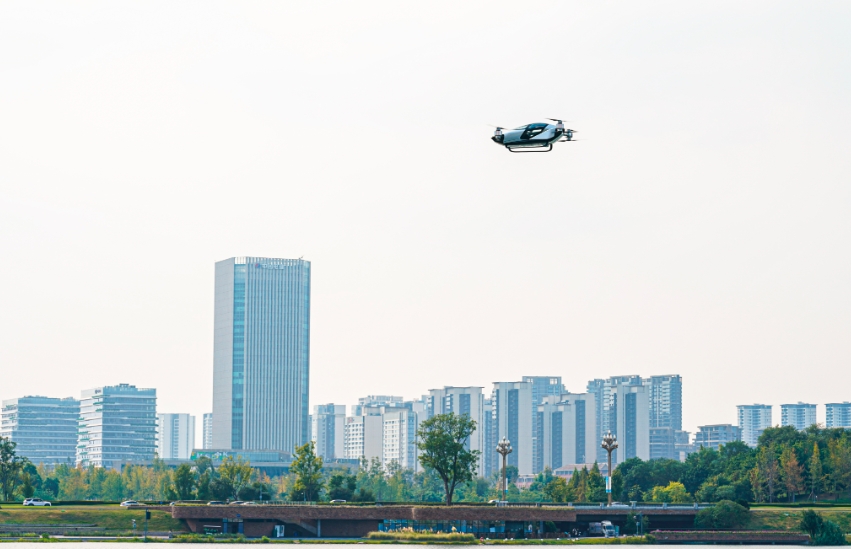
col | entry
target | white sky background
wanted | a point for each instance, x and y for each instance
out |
(700, 226)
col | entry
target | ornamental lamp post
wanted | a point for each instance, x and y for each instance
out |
(610, 443)
(504, 448)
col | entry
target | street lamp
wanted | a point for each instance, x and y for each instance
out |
(504, 448)
(610, 442)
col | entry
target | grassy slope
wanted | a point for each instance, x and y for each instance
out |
(111, 517)
(788, 519)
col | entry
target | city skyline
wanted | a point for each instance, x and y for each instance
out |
(697, 226)
(564, 424)
(840, 411)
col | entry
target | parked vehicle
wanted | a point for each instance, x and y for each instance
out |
(604, 528)
(337, 501)
(237, 502)
(36, 502)
(129, 503)
(215, 503)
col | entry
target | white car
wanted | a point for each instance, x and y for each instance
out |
(38, 502)
(129, 503)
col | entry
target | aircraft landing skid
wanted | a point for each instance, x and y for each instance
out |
(530, 149)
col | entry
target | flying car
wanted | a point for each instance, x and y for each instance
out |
(536, 137)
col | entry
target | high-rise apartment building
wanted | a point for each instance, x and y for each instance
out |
(44, 429)
(329, 430)
(261, 354)
(753, 420)
(489, 455)
(175, 436)
(207, 441)
(632, 420)
(117, 424)
(800, 415)
(605, 403)
(467, 401)
(666, 414)
(512, 418)
(567, 430)
(542, 387)
(838, 415)
(665, 411)
(666, 401)
(399, 438)
(713, 436)
(373, 401)
(365, 437)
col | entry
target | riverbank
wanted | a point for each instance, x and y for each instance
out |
(113, 523)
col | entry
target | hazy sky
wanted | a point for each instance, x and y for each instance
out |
(700, 226)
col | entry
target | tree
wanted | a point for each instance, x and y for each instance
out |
(674, 492)
(11, 467)
(234, 474)
(595, 485)
(442, 443)
(757, 483)
(839, 455)
(342, 485)
(203, 490)
(307, 468)
(792, 472)
(815, 472)
(768, 469)
(557, 490)
(811, 523)
(184, 481)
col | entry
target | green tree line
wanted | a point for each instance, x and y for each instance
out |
(787, 465)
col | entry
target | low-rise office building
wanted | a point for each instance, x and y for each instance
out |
(117, 425)
(713, 436)
(43, 428)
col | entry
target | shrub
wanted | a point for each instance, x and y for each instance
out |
(725, 514)
(830, 534)
(811, 523)
(409, 535)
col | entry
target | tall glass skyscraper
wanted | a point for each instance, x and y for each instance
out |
(261, 354)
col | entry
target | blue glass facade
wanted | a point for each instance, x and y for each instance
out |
(261, 354)
(238, 377)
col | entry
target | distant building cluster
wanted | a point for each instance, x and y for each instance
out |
(107, 427)
(547, 425)
(261, 378)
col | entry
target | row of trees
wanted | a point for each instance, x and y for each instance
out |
(449, 466)
(233, 478)
(787, 464)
